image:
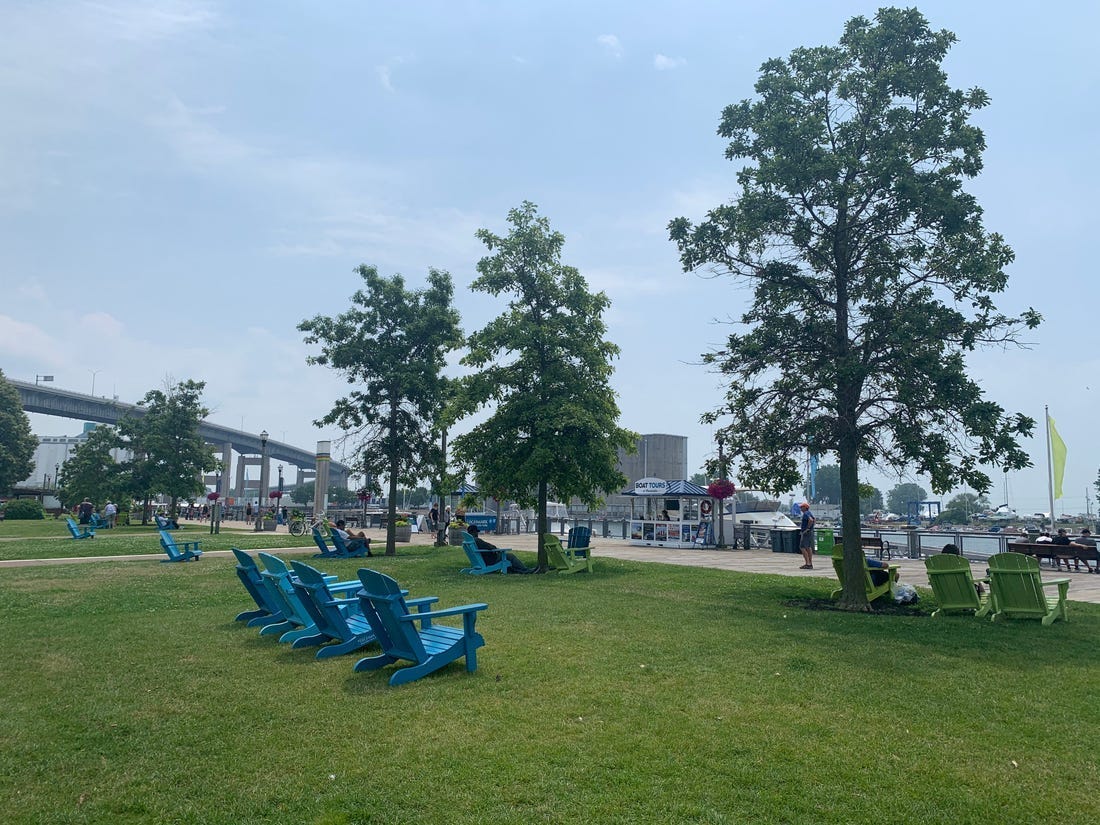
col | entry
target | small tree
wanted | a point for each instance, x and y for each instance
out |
(545, 363)
(872, 270)
(92, 470)
(17, 442)
(392, 343)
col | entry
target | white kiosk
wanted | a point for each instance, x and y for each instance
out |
(669, 514)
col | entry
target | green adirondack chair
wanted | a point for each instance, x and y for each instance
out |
(874, 591)
(562, 559)
(1016, 590)
(953, 585)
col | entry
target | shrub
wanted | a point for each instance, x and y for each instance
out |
(25, 509)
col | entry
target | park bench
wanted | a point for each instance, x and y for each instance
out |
(1058, 553)
(877, 544)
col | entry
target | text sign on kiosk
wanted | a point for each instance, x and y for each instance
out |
(650, 487)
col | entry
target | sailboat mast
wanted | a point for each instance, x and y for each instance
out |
(1050, 469)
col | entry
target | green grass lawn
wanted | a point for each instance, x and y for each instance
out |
(50, 539)
(642, 694)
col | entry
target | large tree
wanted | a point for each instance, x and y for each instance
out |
(873, 275)
(168, 456)
(546, 364)
(827, 484)
(902, 495)
(17, 442)
(392, 344)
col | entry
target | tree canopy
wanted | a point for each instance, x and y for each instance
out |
(92, 471)
(17, 441)
(392, 346)
(897, 500)
(871, 270)
(547, 365)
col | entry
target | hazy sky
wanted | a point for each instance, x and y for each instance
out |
(182, 182)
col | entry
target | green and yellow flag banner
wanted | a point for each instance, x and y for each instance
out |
(1058, 455)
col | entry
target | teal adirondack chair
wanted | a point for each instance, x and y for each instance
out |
(478, 565)
(297, 627)
(953, 585)
(563, 559)
(267, 609)
(1016, 590)
(326, 551)
(190, 550)
(874, 591)
(76, 532)
(342, 548)
(341, 619)
(430, 647)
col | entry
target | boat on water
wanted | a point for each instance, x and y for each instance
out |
(756, 513)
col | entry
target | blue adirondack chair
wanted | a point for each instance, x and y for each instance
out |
(430, 647)
(342, 620)
(98, 522)
(189, 551)
(477, 561)
(267, 609)
(297, 627)
(164, 524)
(326, 551)
(342, 548)
(578, 542)
(77, 533)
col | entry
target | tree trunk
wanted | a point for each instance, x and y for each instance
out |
(543, 527)
(854, 594)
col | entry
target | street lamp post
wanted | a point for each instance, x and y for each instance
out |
(279, 503)
(94, 374)
(56, 470)
(263, 482)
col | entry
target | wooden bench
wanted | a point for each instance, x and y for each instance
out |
(1057, 553)
(876, 543)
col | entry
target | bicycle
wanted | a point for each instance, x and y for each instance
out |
(299, 527)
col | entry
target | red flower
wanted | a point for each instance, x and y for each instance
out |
(721, 489)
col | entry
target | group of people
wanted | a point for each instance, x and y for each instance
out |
(85, 510)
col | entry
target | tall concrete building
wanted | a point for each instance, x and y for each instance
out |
(657, 455)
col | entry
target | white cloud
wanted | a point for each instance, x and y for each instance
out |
(663, 63)
(384, 77)
(611, 45)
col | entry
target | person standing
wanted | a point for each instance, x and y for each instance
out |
(110, 512)
(248, 513)
(806, 537)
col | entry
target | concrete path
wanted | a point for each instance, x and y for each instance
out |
(1083, 588)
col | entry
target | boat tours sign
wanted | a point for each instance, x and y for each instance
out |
(650, 487)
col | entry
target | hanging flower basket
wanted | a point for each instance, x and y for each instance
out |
(213, 496)
(275, 494)
(721, 489)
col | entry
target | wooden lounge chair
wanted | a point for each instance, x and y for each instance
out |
(189, 551)
(267, 609)
(297, 627)
(953, 585)
(341, 548)
(76, 532)
(1016, 590)
(478, 565)
(430, 647)
(874, 591)
(563, 559)
(579, 541)
(341, 619)
(326, 551)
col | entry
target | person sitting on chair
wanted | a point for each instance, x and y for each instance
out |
(353, 541)
(880, 571)
(492, 554)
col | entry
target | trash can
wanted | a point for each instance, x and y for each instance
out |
(825, 541)
(784, 541)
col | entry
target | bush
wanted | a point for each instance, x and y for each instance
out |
(23, 509)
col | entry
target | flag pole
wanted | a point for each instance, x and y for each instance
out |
(1050, 469)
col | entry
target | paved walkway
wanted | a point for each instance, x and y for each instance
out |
(1083, 587)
